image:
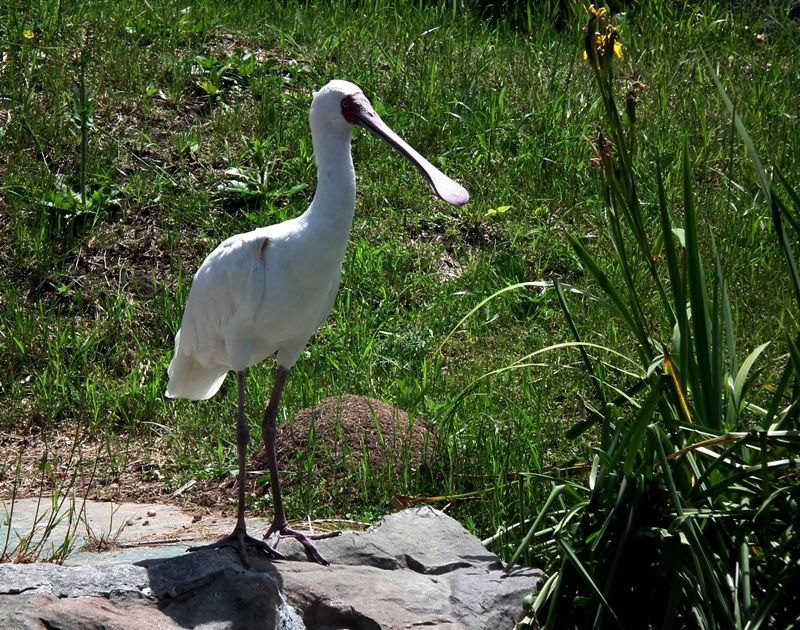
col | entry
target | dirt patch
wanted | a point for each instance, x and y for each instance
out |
(83, 464)
(326, 448)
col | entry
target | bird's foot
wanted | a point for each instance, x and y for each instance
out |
(284, 531)
(238, 539)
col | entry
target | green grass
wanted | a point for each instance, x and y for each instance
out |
(92, 285)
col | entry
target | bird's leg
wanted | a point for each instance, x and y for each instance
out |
(242, 439)
(269, 430)
(239, 537)
(280, 526)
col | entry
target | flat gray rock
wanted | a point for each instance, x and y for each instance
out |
(423, 540)
(417, 567)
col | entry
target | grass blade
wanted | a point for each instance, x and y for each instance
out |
(703, 381)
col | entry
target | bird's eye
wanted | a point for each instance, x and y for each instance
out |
(351, 108)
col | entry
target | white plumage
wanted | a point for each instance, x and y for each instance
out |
(267, 291)
(248, 302)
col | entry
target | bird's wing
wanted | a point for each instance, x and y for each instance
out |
(228, 287)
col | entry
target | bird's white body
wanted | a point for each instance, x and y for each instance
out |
(268, 291)
(254, 305)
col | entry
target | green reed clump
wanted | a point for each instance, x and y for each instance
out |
(689, 514)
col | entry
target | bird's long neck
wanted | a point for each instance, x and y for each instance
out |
(331, 211)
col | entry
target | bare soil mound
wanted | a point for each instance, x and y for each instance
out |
(345, 439)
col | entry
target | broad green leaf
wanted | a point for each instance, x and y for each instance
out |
(743, 373)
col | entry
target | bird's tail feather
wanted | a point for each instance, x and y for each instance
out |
(188, 378)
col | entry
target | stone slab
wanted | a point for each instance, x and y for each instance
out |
(417, 567)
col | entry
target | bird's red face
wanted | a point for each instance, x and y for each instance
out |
(354, 107)
(357, 110)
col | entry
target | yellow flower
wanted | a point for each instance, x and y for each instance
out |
(593, 46)
(27, 33)
(599, 47)
(611, 43)
(596, 14)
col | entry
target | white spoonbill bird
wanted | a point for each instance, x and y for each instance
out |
(267, 291)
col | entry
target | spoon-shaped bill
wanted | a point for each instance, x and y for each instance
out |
(358, 111)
